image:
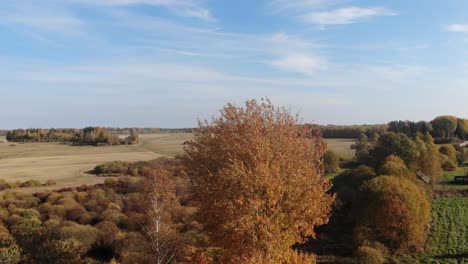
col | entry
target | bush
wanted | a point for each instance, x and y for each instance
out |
(368, 255)
(50, 183)
(85, 234)
(31, 183)
(331, 162)
(395, 166)
(10, 254)
(4, 185)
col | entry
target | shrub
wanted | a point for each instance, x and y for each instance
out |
(85, 234)
(50, 183)
(4, 185)
(10, 254)
(368, 255)
(395, 166)
(331, 162)
(31, 183)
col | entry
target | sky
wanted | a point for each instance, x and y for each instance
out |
(168, 63)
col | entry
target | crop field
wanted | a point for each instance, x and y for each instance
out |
(341, 146)
(448, 241)
(67, 165)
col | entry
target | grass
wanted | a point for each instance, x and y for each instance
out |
(342, 147)
(448, 241)
(448, 176)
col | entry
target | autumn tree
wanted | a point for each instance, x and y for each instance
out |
(395, 211)
(331, 162)
(257, 178)
(395, 166)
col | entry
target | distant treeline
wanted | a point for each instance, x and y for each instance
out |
(149, 130)
(86, 136)
(353, 131)
(443, 129)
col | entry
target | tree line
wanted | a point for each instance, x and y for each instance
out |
(442, 128)
(86, 136)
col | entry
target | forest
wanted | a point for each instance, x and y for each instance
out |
(252, 186)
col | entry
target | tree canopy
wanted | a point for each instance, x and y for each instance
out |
(258, 181)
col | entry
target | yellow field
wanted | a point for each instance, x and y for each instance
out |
(341, 146)
(67, 165)
(168, 144)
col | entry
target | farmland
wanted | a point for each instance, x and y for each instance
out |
(67, 165)
(341, 146)
(448, 241)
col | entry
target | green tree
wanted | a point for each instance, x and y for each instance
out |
(444, 126)
(394, 144)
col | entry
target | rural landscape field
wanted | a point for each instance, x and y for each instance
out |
(69, 165)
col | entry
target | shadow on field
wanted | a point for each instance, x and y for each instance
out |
(453, 256)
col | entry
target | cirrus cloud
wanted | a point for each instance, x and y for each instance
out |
(347, 15)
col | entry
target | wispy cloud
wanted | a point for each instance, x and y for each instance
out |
(347, 15)
(301, 5)
(44, 17)
(185, 8)
(463, 28)
(300, 63)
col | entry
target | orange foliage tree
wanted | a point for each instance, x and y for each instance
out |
(395, 212)
(257, 178)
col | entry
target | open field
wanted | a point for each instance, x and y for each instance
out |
(167, 144)
(341, 146)
(67, 164)
(67, 170)
(448, 241)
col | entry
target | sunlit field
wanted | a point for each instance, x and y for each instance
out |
(342, 147)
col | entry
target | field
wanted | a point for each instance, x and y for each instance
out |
(448, 241)
(167, 144)
(67, 165)
(341, 146)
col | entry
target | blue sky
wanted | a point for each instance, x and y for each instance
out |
(165, 63)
